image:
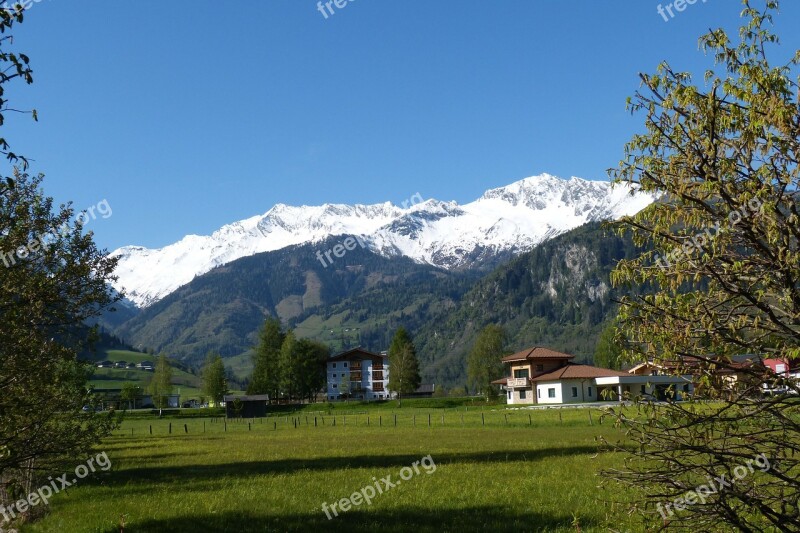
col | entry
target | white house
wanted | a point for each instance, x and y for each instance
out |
(546, 377)
(359, 375)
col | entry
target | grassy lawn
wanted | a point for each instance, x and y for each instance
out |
(496, 470)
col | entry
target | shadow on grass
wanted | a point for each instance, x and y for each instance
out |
(476, 518)
(200, 472)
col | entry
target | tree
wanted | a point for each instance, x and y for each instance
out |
(15, 65)
(484, 364)
(344, 388)
(215, 385)
(725, 272)
(130, 393)
(290, 366)
(313, 356)
(266, 370)
(161, 382)
(404, 375)
(52, 280)
(608, 352)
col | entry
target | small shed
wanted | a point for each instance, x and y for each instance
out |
(252, 406)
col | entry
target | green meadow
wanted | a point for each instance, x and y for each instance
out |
(494, 470)
(113, 378)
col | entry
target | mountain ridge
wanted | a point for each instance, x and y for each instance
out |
(502, 223)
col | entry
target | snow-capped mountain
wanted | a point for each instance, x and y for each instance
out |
(510, 219)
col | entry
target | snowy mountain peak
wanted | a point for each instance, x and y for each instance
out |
(505, 220)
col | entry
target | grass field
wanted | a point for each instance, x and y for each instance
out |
(495, 470)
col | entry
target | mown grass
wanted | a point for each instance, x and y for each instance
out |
(496, 470)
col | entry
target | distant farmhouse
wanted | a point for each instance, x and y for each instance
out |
(546, 377)
(108, 398)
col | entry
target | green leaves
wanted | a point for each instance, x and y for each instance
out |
(726, 273)
(161, 382)
(483, 363)
(404, 375)
(46, 295)
(215, 385)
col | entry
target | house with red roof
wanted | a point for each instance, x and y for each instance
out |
(546, 377)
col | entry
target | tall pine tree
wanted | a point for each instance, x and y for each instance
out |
(214, 383)
(266, 371)
(404, 375)
(484, 365)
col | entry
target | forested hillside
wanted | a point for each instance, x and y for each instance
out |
(557, 295)
(358, 299)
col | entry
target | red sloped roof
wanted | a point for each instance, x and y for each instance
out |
(537, 352)
(576, 371)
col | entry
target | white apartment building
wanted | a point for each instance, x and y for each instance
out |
(358, 374)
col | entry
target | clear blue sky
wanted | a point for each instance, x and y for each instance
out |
(186, 115)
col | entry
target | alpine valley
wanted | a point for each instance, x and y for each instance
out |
(532, 256)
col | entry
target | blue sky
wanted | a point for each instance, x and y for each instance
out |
(187, 115)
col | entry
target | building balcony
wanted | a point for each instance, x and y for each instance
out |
(517, 383)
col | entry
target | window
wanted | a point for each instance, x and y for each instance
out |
(551, 392)
(334, 375)
(509, 395)
(540, 368)
(574, 392)
(686, 388)
(523, 395)
(334, 385)
(345, 365)
(521, 373)
(644, 389)
(590, 391)
(538, 393)
(334, 365)
(331, 397)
